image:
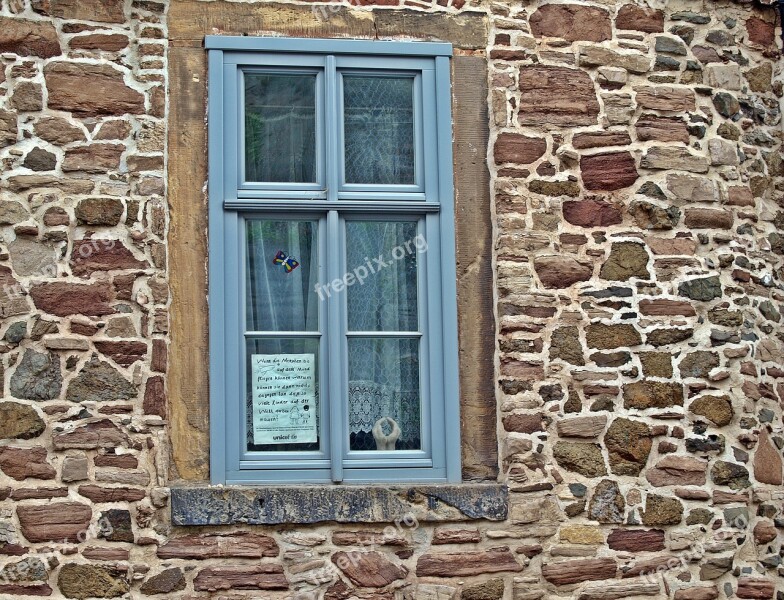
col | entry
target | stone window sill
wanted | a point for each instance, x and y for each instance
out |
(218, 505)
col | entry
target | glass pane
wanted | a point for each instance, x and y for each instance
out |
(280, 128)
(282, 395)
(281, 272)
(382, 257)
(383, 394)
(379, 129)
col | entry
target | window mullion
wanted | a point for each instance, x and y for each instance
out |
(335, 365)
(331, 121)
(333, 262)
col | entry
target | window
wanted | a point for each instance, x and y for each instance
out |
(333, 342)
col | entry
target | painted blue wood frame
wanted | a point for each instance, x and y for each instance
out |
(430, 202)
(326, 46)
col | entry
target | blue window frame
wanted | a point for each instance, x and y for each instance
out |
(333, 342)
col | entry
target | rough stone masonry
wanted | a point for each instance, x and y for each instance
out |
(638, 206)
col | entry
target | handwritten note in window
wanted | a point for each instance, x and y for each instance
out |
(284, 398)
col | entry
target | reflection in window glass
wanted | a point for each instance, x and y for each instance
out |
(281, 272)
(386, 254)
(280, 128)
(379, 129)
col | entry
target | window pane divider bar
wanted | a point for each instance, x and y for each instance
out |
(286, 334)
(294, 192)
(374, 206)
(385, 334)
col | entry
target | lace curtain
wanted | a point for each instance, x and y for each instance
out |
(379, 129)
(383, 372)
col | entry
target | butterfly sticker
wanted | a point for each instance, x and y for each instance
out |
(287, 262)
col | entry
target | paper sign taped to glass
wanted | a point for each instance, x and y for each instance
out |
(284, 398)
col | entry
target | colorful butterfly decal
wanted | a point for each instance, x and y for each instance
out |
(287, 262)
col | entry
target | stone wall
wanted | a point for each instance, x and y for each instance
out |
(638, 181)
(638, 205)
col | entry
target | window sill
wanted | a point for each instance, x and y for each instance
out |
(216, 505)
